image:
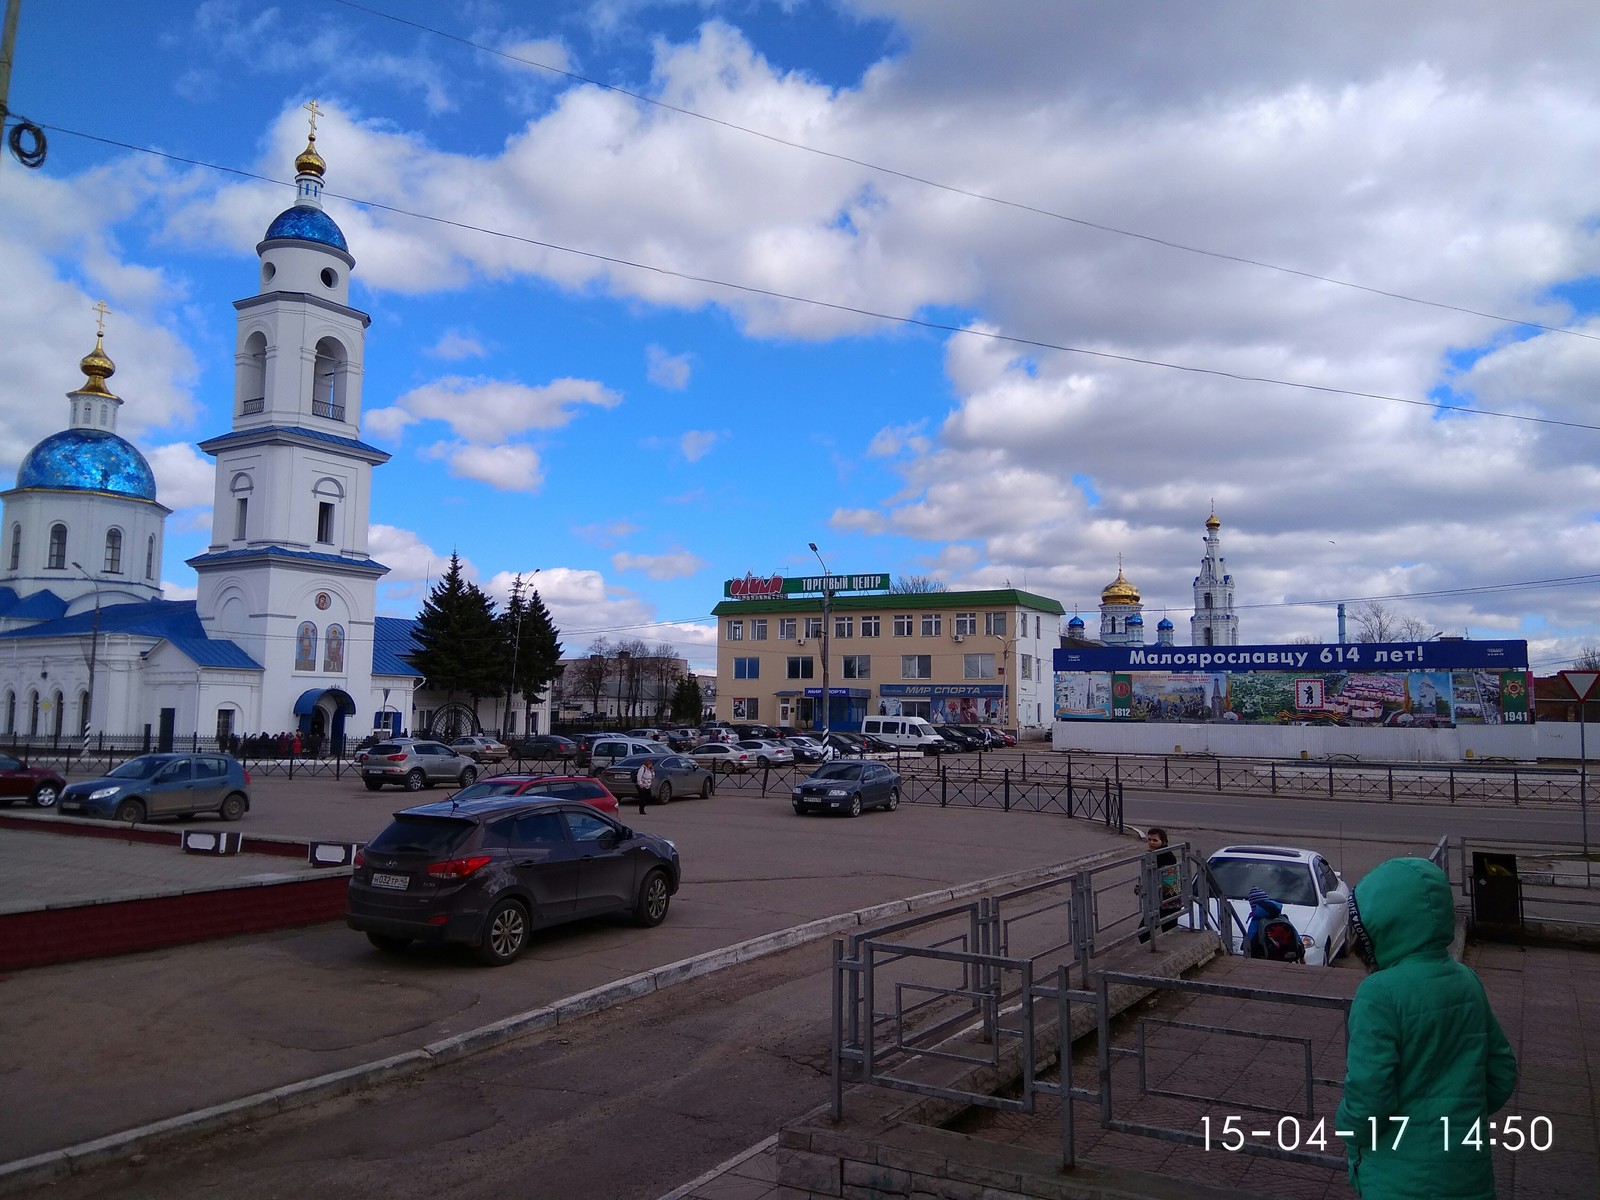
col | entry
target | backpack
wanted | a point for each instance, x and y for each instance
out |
(1278, 940)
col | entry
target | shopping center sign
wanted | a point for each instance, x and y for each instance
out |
(770, 587)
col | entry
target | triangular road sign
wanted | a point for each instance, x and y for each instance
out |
(1581, 682)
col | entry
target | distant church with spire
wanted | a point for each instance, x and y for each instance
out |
(283, 634)
(1214, 622)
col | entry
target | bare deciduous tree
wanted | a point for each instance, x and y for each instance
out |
(907, 584)
(1377, 622)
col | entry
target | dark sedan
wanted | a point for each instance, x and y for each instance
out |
(21, 782)
(545, 745)
(676, 776)
(848, 787)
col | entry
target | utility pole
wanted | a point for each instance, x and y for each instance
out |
(827, 620)
(94, 653)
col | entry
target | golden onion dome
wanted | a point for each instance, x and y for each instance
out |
(1212, 522)
(1120, 591)
(310, 162)
(97, 368)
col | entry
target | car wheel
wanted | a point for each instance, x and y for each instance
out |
(651, 907)
(664, 793)
(46, 795)
(469, 777)
(764, 761)
(387, 943)
(855, 805)
(373, 785)
(705, 788)
(415, 780)
(894, 799)
(505, 933)
(799, 811)
(130, 812)
(233, 806)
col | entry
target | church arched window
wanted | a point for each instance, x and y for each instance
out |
(150, 557)
(305, 647)
(1208, 600)
(328, 492)
(11, 711)
(329, 381)
(83, 712)
(57, 558)
(16, 545)
(241, 487)
(58, 712)
(253, 374)
(33, 714)
(113, 552)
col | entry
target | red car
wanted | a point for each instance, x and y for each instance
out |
(561, 787)
(21, 782)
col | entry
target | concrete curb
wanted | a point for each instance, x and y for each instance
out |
(55, 1165)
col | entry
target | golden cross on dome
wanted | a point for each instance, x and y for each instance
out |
(102, 310)
(315, 113)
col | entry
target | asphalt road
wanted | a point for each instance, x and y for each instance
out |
(633, 1101)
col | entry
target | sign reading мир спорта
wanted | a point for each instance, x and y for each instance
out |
(1339, 656)
(769, 587)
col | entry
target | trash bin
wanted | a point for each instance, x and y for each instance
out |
(1496, 890)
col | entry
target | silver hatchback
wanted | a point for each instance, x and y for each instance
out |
(416, 765)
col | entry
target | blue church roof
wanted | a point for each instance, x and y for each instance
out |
(392, 639)
(1164, 624)
(1075, 623)
(306, 224)
(174, 620)
(40, 606)
(88, 460)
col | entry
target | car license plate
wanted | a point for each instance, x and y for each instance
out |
(398, 882)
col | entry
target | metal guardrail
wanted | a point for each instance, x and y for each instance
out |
(973, 983)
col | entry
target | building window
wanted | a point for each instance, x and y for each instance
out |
(16, 550)
(858, 666)
(966, 624)
(916, 666)
(902, 624)
(736, 631)
(57, 561)
(150, 557)
(932, 624)
(747, 668)
(844, 627)
(813, 627)
(253, 374)
(786, 628)
(977, 666)
(325, 523)
(1208, 637)
(114, 552)
(800, 666)
(1035, 628)
(33, 714)
(11, 712)
(305, 648)
(758, 629)
(1027, 666)
(746, 708)
(225, 718)
(1208, 599)
(870, 626)
(328, 382)
(58, 713)
(994, 624)
(333, 653)
(241, 517)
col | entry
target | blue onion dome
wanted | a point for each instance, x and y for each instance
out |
(305, 224)
(1136, 619)
(1164, 624)
(88, 460)
(1075, 623)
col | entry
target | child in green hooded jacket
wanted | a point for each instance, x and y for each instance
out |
(1423, 1045)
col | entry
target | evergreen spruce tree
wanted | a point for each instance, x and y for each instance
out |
(528, 646)
(457, 641)
(687, 703)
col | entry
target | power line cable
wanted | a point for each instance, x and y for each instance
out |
(953, 189)
(854, 310)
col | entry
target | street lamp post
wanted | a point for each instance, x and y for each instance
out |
(827, 619)
(516, 649)
(624, 657)
(94, 653)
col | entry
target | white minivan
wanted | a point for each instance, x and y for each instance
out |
(908, 733)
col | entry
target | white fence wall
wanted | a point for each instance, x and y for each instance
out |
(1229, 739)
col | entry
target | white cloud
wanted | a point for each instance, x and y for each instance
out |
(454, 345)
(510, 468)
(667, 370)
(409, 558)
(488, 410)
(696, 444)
(185, 478)
(680, 564)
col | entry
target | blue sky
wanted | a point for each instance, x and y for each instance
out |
(639, 435)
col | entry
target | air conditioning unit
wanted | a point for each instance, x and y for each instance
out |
(960, 637)
(799, 641)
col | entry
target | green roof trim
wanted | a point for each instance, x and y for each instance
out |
(904, 601)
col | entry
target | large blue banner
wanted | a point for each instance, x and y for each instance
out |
(1350, 656)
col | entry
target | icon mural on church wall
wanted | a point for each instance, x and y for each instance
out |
(305, 652)
(333, 655)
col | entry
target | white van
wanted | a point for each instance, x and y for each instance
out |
(908, 733)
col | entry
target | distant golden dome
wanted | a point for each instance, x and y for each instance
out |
(1212, 522)
(97, 368)
(1120, 591)
(310, 162)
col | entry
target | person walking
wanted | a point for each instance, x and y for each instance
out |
(644, 779)
(1171, 901)
(1426, 1063)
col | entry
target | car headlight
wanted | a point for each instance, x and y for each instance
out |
(102, 793)
(1307, 940)
(834, 793)
(798, 794)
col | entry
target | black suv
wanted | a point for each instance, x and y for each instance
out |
(487, 872)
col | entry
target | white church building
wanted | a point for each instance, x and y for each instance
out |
(283, 635)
